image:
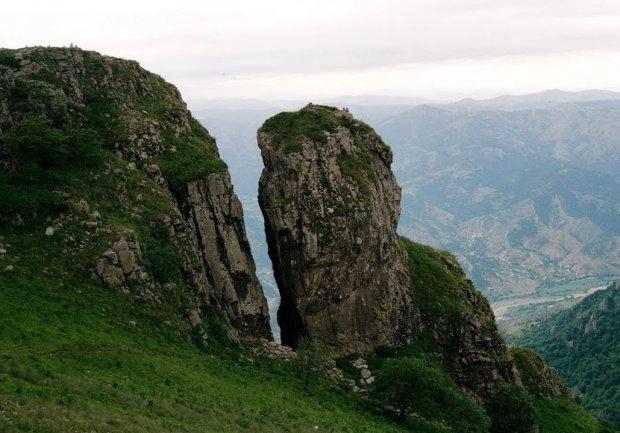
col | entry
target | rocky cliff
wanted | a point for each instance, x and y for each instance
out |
(69, 116)
(331, 205)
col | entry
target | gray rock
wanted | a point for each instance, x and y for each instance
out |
(214, 225)
(330, 211)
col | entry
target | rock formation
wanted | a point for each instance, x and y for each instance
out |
(538, 378)
(331, 205)
(143, 124)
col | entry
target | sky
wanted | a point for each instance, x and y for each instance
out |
(287, 49)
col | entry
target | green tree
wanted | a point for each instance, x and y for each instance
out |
(411, 385)
(311, 362)
(511, 410)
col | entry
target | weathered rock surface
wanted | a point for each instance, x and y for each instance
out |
(331, 205)
(214, 215)
(145, 124)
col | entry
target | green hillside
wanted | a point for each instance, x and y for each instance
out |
(583, 344)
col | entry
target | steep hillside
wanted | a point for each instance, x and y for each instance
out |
(457, 322)
(128, 294)
(583, 343)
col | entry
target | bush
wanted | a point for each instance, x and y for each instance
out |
(26, 201)
(8, 59)
(311, 362)
(511, 410)
(37, 146)
(411, 385)
(162, 260)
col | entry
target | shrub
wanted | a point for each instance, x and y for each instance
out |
(511, 410)
(411, 385)
(26, 201)
(464, 415)
(162, 259)
(36, 145)
(36, 142)
(408, 385)
(8, 59)
(311, 362)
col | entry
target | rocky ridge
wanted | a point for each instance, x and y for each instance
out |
(331, 205)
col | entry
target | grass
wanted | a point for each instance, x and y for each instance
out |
(195, 157)
(287, 129)
(436, 281)
(563, 415)
(72, 361)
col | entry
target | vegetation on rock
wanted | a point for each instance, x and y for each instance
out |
(511, 410)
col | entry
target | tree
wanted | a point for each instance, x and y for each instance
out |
(412, 385)
(311, 362)
(511, 410)
(408, 385)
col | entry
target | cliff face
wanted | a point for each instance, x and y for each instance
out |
(331, 205)
(138, 123)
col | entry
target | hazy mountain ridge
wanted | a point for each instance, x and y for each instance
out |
(524, 197)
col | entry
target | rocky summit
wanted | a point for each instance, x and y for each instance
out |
(331, 205)
(68, 115)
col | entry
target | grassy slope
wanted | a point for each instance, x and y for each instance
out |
(435, 293)
(563, 415)
(71, 361)
(75, 356)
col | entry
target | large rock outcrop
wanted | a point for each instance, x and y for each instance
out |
(140, 123)
(331, 205)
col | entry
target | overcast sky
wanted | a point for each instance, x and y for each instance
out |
(303, 49)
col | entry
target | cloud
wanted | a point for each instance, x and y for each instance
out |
(211, 45)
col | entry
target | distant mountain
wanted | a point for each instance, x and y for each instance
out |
(545, 99)
(583, 344)
(528, 198)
